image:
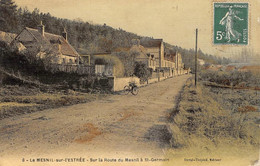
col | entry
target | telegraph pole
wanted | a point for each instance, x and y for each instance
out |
(196, 58)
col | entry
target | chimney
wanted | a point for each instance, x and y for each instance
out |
(41, 29)
(64, 34)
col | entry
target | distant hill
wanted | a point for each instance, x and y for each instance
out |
(85, 37)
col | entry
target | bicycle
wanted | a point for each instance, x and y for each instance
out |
(132, 87)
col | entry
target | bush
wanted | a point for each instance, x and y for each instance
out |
(141, 71)
(34, 69)
(230, 78)
(128, 60)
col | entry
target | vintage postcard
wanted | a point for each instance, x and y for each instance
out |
(129, 82)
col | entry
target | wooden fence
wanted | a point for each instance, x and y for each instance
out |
(79, 69)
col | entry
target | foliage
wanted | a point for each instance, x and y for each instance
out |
(247, 55)
(234, 78)
(199, 116)
(12, 60)
(85, 37)
(32, 68)
(141, 71)
(110, 60)
(236, 100)
(128, 60)
(8, 15)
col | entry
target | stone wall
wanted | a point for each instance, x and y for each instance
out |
(119, 83)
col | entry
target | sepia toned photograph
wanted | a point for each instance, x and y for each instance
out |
(129, 83)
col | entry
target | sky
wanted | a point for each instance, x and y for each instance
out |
(174, 21)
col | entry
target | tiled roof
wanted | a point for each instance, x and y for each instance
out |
(121, 49)
(151, 42)
(138, 48)
(49, 40)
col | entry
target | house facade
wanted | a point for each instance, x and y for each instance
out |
(46, 45)
(143, 56)
(154, 49)
(166, 63)
(179, 66)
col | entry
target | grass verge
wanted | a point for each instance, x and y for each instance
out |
(16, 100)
(204, 128)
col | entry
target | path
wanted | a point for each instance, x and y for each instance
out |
(118, 126)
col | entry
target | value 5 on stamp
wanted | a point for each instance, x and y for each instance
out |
(230, 23)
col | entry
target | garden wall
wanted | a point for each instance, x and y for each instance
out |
(120, 83)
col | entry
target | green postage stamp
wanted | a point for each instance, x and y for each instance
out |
(230, 23)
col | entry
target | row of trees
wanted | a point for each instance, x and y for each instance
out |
(247, 56)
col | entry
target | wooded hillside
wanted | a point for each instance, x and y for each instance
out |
(85, 37)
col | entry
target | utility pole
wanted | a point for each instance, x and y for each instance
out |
(196, 58)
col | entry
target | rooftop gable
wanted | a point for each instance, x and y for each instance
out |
(49, 40)
(151, 42)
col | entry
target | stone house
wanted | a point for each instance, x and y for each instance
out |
(155, 49)
(142, 55)
(168, 64)
(46, 45)
(178, 64)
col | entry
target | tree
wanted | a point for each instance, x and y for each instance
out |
(8, 15)
(141, 71)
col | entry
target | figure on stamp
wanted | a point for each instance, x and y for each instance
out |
(228, 21)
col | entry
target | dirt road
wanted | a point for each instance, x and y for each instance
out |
(124, 126)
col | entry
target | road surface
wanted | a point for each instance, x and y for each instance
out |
(124, 126)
